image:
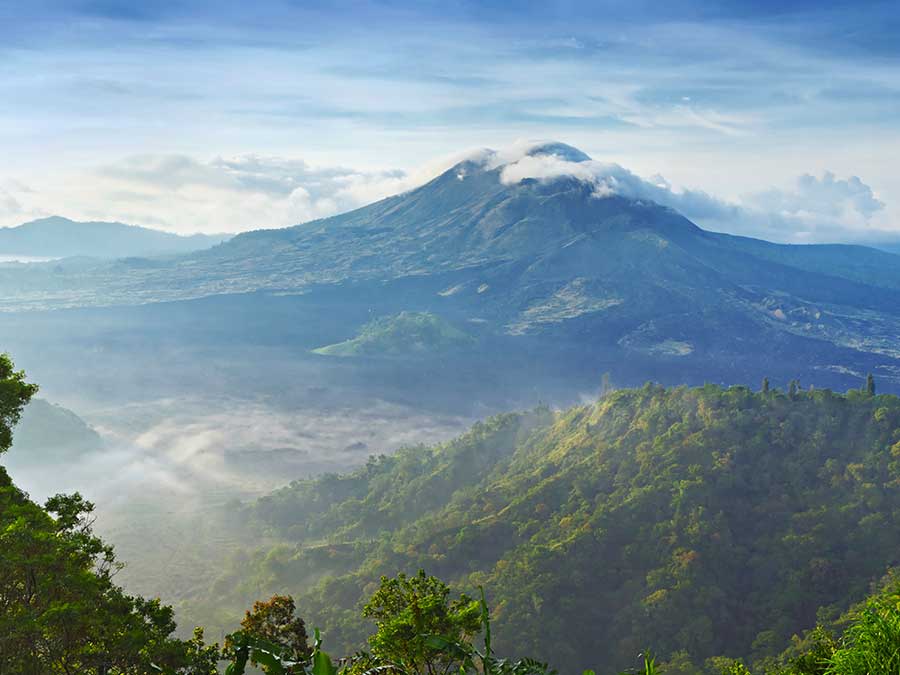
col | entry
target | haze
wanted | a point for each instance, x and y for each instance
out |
(593, 305)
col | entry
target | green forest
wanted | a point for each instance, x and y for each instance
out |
(681, 531)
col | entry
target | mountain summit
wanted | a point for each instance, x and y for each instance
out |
(529, 200)
(556, 149)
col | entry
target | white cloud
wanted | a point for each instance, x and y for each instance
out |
(9, 205)
(544, 167)
(226, 194)
(609, 179)
(817, 205)
(243, 192)
(813, 210)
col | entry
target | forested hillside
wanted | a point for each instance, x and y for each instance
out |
(704, 522)
(49, 433)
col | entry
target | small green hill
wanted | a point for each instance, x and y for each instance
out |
(403, 334)
(699, 522)
(49, 433)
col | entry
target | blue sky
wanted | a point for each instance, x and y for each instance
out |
(234, 115)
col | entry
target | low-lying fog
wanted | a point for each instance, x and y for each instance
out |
(164, 470)
(183, 446)
(196, 405)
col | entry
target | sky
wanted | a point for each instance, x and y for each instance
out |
(779, 120)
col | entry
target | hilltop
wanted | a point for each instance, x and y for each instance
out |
(403, 334)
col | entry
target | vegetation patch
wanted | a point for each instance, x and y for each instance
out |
(403, 334)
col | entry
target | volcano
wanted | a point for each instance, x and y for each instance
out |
(545, 247)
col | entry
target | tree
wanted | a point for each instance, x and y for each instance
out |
(605, 385)
(60, 612)
(870, 385)
(273, 620)
(485, 662)
(200, 658)
(407, 610)
(59, 609)
(765, 385)
(792, 389)
(14, 395)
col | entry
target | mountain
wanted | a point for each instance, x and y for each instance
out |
(551, 270)
(713, 521)
(57, 237)
(52, 446)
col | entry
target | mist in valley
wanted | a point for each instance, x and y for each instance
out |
(165, 473)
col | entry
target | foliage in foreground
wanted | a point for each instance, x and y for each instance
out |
(420, 631)
(864, 641)
(872, 645)
(61, 613)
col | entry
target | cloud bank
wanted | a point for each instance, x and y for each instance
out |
(814, 209)
(185, 194)
(9, 205)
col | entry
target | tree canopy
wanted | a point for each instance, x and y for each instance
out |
(60, 612)
(704, 522)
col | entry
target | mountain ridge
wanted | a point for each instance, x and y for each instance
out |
(58, 237)
(712, 520)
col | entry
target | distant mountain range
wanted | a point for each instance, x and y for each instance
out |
(49, 434)
(57, 237)
(548, 264)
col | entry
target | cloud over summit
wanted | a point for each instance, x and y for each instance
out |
(814, 209)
